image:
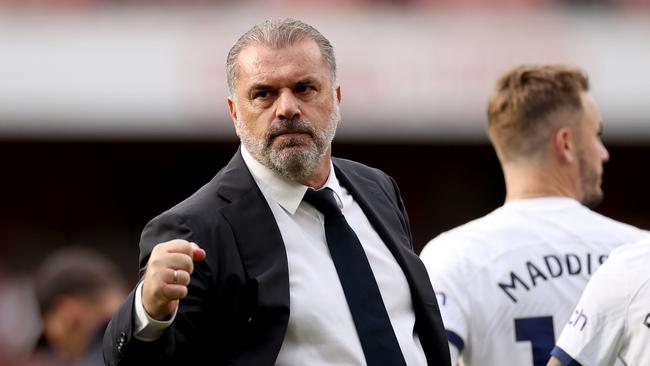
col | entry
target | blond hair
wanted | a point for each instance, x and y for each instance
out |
(527, 105)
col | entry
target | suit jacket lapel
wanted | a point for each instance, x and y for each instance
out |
(264, 257)
(382, 214)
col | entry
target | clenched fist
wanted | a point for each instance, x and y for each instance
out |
(167, 276)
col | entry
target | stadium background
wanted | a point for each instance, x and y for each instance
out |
(113, 111)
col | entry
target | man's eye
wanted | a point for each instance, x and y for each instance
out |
(303, 89)
(261, 94)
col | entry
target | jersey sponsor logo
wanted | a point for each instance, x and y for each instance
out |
(647, 320)
(578, 319)
(549, 267)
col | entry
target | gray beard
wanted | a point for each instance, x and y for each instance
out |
(293, 166)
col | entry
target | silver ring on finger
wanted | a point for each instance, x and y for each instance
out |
(175, 277)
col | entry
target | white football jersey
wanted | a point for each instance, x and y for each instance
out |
(612, 319)
(506, 283)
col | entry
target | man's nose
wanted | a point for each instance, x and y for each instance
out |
(288, 105)
(605, 154)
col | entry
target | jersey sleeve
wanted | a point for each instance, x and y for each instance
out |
(593, 334)
(447, 274)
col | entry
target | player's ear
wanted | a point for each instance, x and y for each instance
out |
(564, 145)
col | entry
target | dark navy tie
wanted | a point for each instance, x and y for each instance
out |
(376, 334)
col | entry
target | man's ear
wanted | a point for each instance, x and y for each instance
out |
(232, 108)
(337, 95)
(564, 145)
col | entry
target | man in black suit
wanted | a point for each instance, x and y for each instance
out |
(246, 272)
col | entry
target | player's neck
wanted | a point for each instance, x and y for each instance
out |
(525, 182)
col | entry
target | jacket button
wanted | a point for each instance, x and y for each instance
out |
(120, 342)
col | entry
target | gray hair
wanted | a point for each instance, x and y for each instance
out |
(277, 34)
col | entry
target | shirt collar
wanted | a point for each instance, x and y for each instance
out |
(544, 203)
(286, 193)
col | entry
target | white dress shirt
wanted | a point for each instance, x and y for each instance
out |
(321, 330)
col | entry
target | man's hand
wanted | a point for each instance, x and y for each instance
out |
(167, 276)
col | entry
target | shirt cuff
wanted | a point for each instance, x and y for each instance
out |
(147, 328)
(564, 357)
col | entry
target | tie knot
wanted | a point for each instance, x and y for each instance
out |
(323, 200)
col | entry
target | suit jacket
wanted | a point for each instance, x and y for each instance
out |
(237, 308)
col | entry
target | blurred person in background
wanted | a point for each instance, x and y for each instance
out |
(288, 256)
(611, 323)
(507, 282)
(77, 290)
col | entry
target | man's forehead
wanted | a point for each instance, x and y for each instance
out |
(259, 58)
